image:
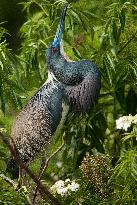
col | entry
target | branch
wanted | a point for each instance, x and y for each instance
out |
(41, 188)
(46, 165)
(10, 181)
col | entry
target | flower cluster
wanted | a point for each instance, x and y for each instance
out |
(3, 130)
(97, 170)
(64, 188)
(125, 122)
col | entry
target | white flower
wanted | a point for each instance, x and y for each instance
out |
(59, 164)
(64, 187)
(3, 130)
(24, 189)
(59, 184)
(55, 177)
(124, 122)
(73, 186)
(67, 180)
(62, 191)
(52, 174)
(53, 189)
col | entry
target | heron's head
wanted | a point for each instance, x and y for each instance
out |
(54, 48)
(52, 53)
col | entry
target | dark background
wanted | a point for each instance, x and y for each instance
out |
(11, 12)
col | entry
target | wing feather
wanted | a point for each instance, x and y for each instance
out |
(84, 95)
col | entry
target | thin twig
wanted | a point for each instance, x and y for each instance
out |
(51, 156)
(14, 184)
(10, 181)
(41, 188)
(126, 44)
(46, 165)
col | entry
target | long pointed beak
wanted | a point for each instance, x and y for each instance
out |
(57, 38)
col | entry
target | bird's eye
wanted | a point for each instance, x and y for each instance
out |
(54, 50)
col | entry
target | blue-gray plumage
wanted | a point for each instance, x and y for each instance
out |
(76, 84)
(81, 78)
(38, 121)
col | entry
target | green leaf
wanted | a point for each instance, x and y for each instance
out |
(122, 18)
(77, 53)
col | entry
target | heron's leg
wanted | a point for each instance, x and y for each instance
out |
(22, 179)
(19, 184)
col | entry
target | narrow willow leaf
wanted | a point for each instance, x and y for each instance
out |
(107, 25)
(122, 18)
(134, 172)
(111, 62)
(88, 13)
(85, 21)
(1, 65)
(107, 70)
(77, 53)
(76, 16)
(127, 137)
(113, 38)
(134, 68)
(2, 99)
(15, 98)
(71, 23)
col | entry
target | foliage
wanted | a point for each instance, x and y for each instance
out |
(125, 178)
(9, 196)
(9, 75)
(97, 170)
(102, 31)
